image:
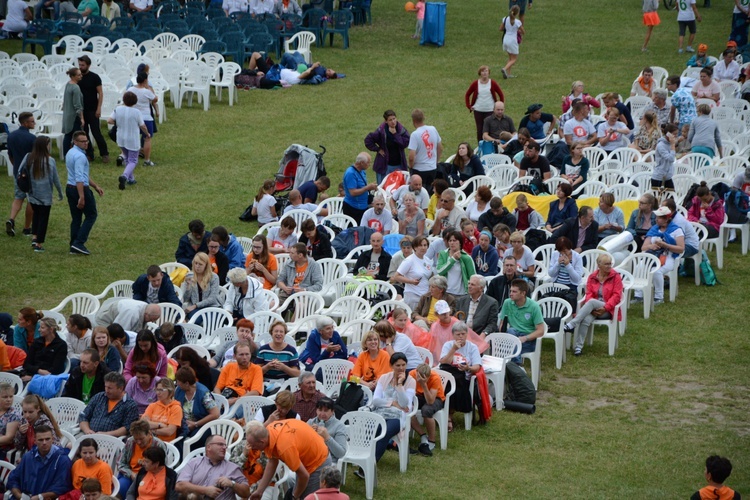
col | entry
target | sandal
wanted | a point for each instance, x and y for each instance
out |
(450, 425)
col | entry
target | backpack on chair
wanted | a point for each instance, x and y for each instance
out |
(351, 398)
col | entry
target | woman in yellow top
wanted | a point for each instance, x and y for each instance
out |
(165, 414)
(89, 466)
(372, 362)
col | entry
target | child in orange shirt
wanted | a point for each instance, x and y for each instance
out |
(431, 397)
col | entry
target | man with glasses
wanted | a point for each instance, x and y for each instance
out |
(449, 214)
(212, 476)
(80, 198)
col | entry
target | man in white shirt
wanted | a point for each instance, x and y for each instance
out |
(421, 197)
(425, 148)
(141, 5)
(231, 6)
(260, 7)
(579, 128)
(449, 214)
(727, 68)
(377, 217)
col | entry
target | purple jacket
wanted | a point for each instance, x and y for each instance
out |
(375, 141)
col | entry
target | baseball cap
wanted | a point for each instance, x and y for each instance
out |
(703, 48)
(660, 212)
(731, 43)
(442, 307)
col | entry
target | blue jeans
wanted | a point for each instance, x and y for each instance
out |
(39, 8)
(525, 347)
(392, 428)
(80, 227)
(125, 483)
(689, 251)
(292, 61)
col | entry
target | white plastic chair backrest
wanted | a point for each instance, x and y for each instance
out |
(17, 402)
(213, 318)
(300, 216)
(228, 71)
(67, 440)
(723, 113)
(610, 177)
(80, 303)
(449, 381)
(333, 371)
(426, 355)
(5, 469)
(119, 288)
(306, 303)
(546, 252)
(624, 191)
(195, 42)
(495, 160)
(173, 455)
(246, 244)
(73, 44)
(193, 333)
(228, 429)
(223, 404)
(225, 334)
(554, 307)
(640, 265)
(99, 45)
(738, 105)
(272, 298)
(184, 56)
(364, 430)
(166, 39)
(625, 156)
(334, 205)
(66, 411)
(213, 59)
(589, 259)
(303, 39)
(110, 448)
(701, 230)
(171, 313)
(595, 155)
(199, 349)
(370, 289)
(355, 329)
(306, 324)
(349, 308)
(696, 161)
(478, 180)
(387, 306)
(250, 406)
(12, 379)
(504, 345)
(682, 183)
(263, 320)
(341, 220)
(545, 288)
(169, 267)
(196, 453)
(333, 269)
(504, 176)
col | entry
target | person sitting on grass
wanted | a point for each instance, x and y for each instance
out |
(718, 470)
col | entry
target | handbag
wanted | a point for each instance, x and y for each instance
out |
(113, 133)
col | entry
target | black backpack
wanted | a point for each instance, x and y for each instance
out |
(518, 385)
(23, 179)
(351, 398)
(737, 206)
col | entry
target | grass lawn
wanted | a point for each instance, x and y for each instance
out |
(636, 425)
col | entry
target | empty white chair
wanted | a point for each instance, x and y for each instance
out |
(348, 309)
(624, 191)
(249, 405)
(505, 347)
(211, 318)
(364, 430)
(553, 307)
(301, 41)
(80, 303)
(66, 412)
(170, 313)
(224, 79)
(642, 267)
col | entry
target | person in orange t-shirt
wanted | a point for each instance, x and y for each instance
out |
(240, 377)
(372, 361)
(89, 466)
(165, 414)
(431, 397)
(297, 445)
(261, 263)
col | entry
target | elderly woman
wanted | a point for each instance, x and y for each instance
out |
(323, 343)
(165, 414)
(642, 218)
(130, 460)
(566, 268)
(564, 207)
(707, 209)
(576, 92)
(481, 203)
(523, 255)
(155, 481)
(372, 362)
(465, 166)
(391, 341)
(142, 387)
(481, 97)
(392, 400)
(603, 293)
(610, 218)
(648, 134)
(201, 286)
(198, 404)
(666, 241)
(245, 296)
(48, 354)
(462, 359)
(704, 135)
(411, 218)
(441, 331)
(329, 428)
(424, 314)
(414, 272)
(281, 409)
(278, 359)
(456, 265)
(225, 352)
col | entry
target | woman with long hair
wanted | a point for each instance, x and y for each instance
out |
(648, 134)
(72, 119)
(101, 341)
(264, 205)
(48, 354)
(465, 166)
(512, 28)
(202, 288)
(35, 413)
(564, 207)
(707, 209)
(262, 263)
(27, 328)
(146, 350)
(43, 174)
(188, 358)
(372, 362)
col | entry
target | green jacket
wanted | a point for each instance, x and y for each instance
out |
(445, 263)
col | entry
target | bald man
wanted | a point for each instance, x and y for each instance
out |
(295, 203)
(131, 315)
(496, 124)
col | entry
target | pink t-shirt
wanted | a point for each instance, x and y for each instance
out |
(420, 10)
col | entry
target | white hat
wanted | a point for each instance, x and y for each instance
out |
(442, 307)
(663, 212)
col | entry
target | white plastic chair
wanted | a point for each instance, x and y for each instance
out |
(305, 304)
(340, 220)
(263, 321)
(12, 379)
(120, 288)
(302, 40)
(66, 412)
(80, 303)
(197, 81)
(553, 307)
(535, 358)
(166, 39)
(212, 318)
(503, 346)
(171, 313)
(638, 104)
(643, 266)
(348, 309)
(426, 355)
(625, 156)
(504, 176)
(610, 177)
(195, 42)
(355, 329)
(441, 417)
(223, 404)
(595, 155)
(381, 309)
(624, 191)
(173, 458)
(364, 430)
(196, 453)
(224, 79)
(332, 371)
(250, 406)
(402, 438)
(5, 469)
(170, 267)
(611, 324)
(590, 189)
(228, 429)
(333, 269)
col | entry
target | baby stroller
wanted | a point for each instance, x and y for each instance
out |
(298, 165)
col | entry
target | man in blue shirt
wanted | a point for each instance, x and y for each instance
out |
(44, 472)
(534, 121)
(356, 187)
(20, 143)
(310, 189)
(80, 198)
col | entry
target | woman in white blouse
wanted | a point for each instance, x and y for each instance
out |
(415, 271)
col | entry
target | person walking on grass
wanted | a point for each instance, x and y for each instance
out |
(43, 171)
(128, 120)
(513, 29)
(650, 19)
(80, 198)
(687, 14)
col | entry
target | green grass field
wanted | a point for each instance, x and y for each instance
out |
(636, 425)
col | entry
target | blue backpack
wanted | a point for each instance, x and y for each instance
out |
(737, 206)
